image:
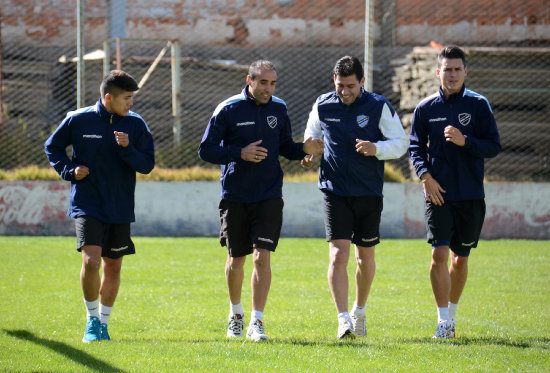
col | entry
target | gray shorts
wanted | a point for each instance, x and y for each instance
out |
(114, 239)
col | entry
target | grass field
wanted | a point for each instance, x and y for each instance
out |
(172, 308)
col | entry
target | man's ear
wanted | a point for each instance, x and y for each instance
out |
(248, 79)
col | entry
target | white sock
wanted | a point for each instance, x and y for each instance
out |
(442, 314)
(358, 311)
(256, 315)
(91, 308)
(344, 315)
(452, 310)
(235, 309)
(104, 313)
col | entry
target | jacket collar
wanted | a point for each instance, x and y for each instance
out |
(454, 96)
(357, 101)
(104, 114)
(251, 99)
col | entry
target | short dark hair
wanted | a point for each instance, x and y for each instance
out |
(117, 81)
(451, 51)
(347, 66)
(257, 66)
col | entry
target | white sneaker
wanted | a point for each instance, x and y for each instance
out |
(359, 324)
(443, 330)
(256, 332)
(345, 328)
(235, 326)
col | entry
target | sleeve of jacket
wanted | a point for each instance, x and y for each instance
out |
(396, 142)
(56, 150)
(488, 145)
(212, 149)
(418, 149)
(313, 127)
(140, 152)
(287, 147)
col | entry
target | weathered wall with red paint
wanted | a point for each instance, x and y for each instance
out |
(514, 210)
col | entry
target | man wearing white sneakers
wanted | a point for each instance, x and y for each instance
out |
(452, 132)
(361, 130)
(246, 135)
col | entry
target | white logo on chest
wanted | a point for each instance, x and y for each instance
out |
(272, 121)
(464, 118)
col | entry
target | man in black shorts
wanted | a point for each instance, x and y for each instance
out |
(110, 143)
(246, 135)
(452, 132)
(361, 130)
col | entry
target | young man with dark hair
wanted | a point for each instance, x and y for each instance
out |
(361, 130)
(452, 132)
(110, 144)
(246, 135)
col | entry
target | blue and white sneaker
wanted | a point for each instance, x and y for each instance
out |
(453, 323)
(444, 329)
(235, 326)
(92, 334)
(103, 333)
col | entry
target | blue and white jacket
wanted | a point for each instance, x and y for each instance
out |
(237, 122)
(458, 169)
(107, 193)
(344, 171)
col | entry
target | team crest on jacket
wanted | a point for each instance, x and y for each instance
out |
(464, 118)
(272, 121)
(362, 120)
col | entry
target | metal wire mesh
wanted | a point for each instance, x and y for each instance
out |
(507, 46)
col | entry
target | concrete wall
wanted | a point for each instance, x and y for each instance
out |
(514, 210)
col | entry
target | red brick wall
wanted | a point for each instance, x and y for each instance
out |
(332, 22)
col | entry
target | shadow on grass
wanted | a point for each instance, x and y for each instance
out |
(543, 343)
(289, 341)
(72, 353)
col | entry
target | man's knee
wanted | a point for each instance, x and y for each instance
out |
(440, 255)
(91, 258)
(261, 258)
(112, 266)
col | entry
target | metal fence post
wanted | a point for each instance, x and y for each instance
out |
(80, 70)
(369, 20)
(106, 56)
(176, 90)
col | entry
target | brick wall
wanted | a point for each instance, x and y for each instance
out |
(280, 22)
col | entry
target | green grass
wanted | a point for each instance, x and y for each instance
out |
(172, 307)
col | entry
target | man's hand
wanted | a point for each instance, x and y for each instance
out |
(432, 190)
(254, 153)
(454, 135)
(314, 146)
(80, 172)
(367, 148)
(121, 139)
(307, 161)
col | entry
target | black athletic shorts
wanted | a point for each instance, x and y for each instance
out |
(456, 224)
(353, 218)
(114, 239)
(245, 226)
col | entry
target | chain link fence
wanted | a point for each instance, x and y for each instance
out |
(507, 44)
